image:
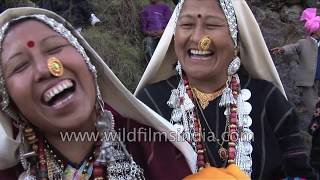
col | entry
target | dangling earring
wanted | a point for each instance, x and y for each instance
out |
(28, 134)
(182, 106)
(227, 96)
(179, 69)
(113, 152)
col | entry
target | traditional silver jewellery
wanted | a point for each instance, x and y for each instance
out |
(227, 97)
(55, 66)
(230, 14)
(234, 66)
(182, 116)
(238, 121)
(204, 43)
(113, 154)
(234, 99)
(110, 159)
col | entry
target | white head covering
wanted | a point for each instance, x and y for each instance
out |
(254, 54)
(112, 91)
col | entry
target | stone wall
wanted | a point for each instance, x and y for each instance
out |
(280, 25)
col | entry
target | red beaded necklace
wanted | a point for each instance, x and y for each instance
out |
(39, 166)
(233, 121)
(202, 159)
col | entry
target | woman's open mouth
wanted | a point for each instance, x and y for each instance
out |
(59, 94)
(199, 54)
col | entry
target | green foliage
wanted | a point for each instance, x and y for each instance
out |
(118, 39)
(123, 58)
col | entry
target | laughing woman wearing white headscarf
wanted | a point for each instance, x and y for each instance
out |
(229, 116)
(53, 82)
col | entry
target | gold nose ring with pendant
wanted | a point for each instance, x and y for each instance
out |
(55, 66)
(204, 43)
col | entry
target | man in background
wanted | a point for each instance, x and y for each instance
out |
(307, 77)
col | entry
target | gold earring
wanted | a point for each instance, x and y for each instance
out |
(204, 43)
(55, 66)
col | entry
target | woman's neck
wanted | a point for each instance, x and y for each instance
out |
(74, 151)
(74, 145)
(208, 85)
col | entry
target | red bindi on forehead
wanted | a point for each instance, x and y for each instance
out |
(30, 44)
(199, 16)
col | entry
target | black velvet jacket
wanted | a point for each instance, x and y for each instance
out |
(278, 147)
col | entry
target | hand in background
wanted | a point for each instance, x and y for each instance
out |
(277, 50)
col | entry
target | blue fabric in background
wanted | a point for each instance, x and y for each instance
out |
(317, 77)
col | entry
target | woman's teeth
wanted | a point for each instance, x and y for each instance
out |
(199, 52)
(58, 88)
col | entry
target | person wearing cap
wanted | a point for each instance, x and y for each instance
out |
(213, 79)
(54, 87)
(80, 12)
(308, 69)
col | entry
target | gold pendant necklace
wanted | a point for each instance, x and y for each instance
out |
(223, 152)
(205, 98)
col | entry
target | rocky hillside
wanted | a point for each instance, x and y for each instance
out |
(280, 25)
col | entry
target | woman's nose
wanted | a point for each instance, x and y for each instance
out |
(197, 34)
(40, 69)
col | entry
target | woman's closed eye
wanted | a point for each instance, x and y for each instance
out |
(186, 25)
(19, 67)
(212, 26)
(56, 49)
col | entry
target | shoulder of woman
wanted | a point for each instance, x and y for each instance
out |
(164, 86)
(264, 91)
(10, 173)
(259, 85)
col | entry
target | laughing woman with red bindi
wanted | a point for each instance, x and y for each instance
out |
(52, 84)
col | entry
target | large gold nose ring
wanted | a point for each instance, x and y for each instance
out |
(204, 43)
(55, 66)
